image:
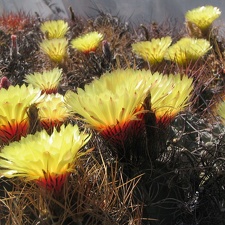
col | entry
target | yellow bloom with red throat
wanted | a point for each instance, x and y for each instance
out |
(152, 51)
(56, 49)
(203, 16)
(47, 81)
(112, 103)
(169, 95)
(88, 42)
(54, 28)
(14, 103)
(45, 159)
(52, 111)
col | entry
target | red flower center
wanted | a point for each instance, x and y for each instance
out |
(52, 182)
(13, 131)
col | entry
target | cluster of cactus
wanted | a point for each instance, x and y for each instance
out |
(102, 126)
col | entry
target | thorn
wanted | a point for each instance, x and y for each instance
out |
(106, 50)
(145, 31)
(72, 14)
(14, 47)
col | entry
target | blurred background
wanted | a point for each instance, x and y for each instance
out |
(135, 11)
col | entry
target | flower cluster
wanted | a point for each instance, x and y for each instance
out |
(139, 103)
(118, 104)
(55, 46)
(115, 101)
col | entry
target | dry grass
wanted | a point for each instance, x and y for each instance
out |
(98, 193)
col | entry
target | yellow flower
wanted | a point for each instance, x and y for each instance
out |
(14, 103)
(152, 51)
(169, 95)
(54, 28)
(187, 50)
(203, 16)
(43, 158)
(48, 81)
(52, 111)
(112, 103)
(56, 49)
(88, 42)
